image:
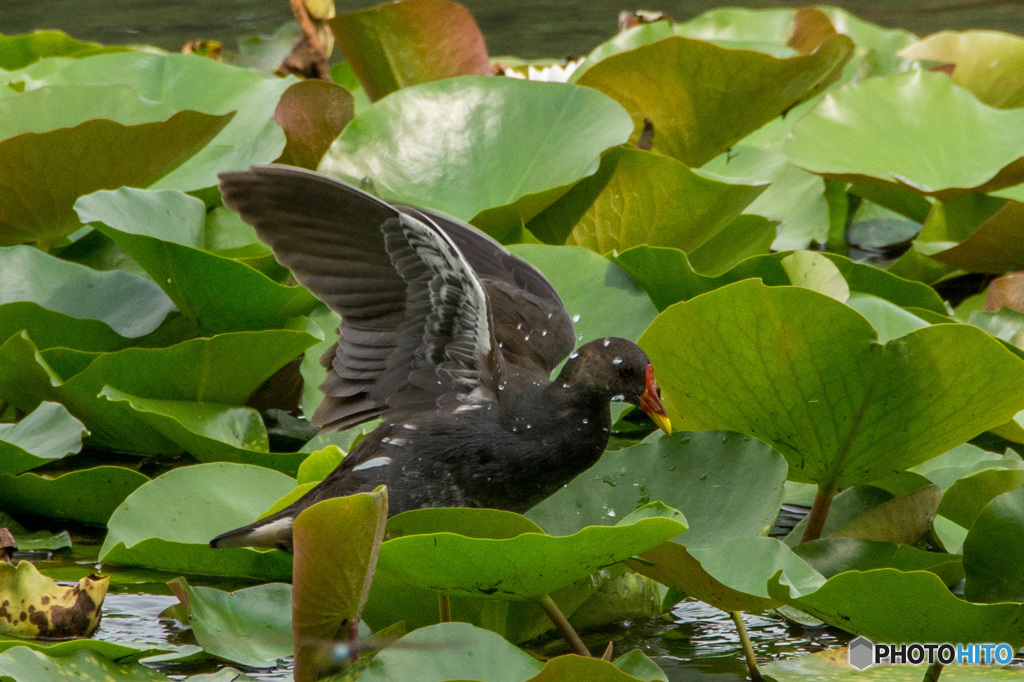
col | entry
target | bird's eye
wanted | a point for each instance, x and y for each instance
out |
(626, 371)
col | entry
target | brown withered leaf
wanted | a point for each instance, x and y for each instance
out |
(33, 605)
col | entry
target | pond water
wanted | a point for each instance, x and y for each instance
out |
(693, 643)
(527, 28)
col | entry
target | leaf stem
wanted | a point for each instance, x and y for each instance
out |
(353, 638)
(819, 513)
(933, 672)
(444, 608)
(748, 649)
(563, 626)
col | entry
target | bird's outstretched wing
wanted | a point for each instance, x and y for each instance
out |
(412, 289)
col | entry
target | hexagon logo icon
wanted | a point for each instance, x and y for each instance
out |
(862, 653)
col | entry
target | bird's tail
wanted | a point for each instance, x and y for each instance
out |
(274, 531)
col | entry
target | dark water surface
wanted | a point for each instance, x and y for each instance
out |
(526, 28)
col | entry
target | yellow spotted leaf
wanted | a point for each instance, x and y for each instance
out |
(33, 605)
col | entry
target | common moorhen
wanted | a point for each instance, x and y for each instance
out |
(448, 337)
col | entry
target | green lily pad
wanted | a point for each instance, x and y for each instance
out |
(220, 294)
(745, 237)
(988, 63)
(223, 369)
(191, 82)
(22, 664)
(331, 588)
(415, 657)
(992, 551)
(511, 139)
(832, 556)
(37, 207)
(902, 520)
(795, 198)
(168, 214)
(574, 668)
(893, 131)
(111, 651)
(66, 106)
(210, 432)
(89, 495)
(168, 523)
(813, 271)
(18, 51)
(527, 566)
(601, 299)
(740, 25)
(667, 276)
(396, 45)
(965, 500)
(127, 304)
(804, 373)
(251, 626)
(727, 486)
(46, 434)
(996, 247)
(722, 91)
(911, 606)
(638, 197)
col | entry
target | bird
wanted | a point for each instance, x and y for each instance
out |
(450, 339)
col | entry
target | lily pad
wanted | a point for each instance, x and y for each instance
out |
(251, 626)
(804, 373)
(47, 433)
(527, 566)
(66, 106)
(667, 276)
(893, 131)
(396, 45)
(415, 657)
(493, 142)
(701, 98)
(129, 305)
(191, 82)
(832, 556)
(992, 550)
(210, 432)
(88, 495)
(219, 294)
(223, 369)
(834, 665)
(996, 247)
(988, 63)
(18, 51)
(331, 588)
(22, 664)
(37, 206)
(911, 606)
(36, 606)
(169, 215)
(168, 523)
(312, 113)
(638, 197)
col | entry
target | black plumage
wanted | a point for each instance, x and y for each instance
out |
(448, 337)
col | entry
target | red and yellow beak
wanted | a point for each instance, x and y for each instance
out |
(651, 404)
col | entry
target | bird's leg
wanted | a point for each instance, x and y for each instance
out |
(748, 649)
(444, 608)
(563, 626)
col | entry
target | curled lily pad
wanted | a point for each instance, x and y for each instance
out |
(47, 433)
(492, 142)
(399, 44)
(832, 426)
(18, 51)
(37, 207)
(720, 90)
(129, 305)
(894, 130)
(995, 247)
(988, 63)
(312, 113)
(36, 606)
(992, 551)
